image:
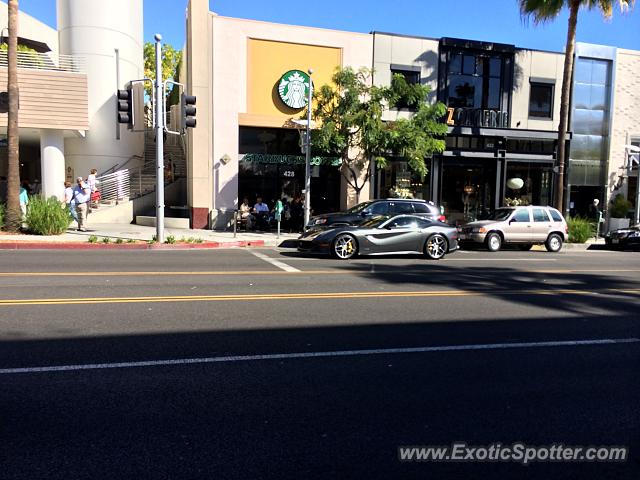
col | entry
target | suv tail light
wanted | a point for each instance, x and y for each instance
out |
(442, 218)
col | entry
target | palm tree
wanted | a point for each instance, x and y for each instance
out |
(13, 218)
(545, 10)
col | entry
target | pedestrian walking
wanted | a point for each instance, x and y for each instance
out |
(24, 201)
(69, 200)
(81, 197)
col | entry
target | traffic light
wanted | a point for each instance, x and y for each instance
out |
(131, 106)
(125, 106)
(188, 111)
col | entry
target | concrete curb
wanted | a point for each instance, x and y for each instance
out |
(13, 245)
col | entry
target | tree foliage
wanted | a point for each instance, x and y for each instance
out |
(171, 59)
(350, 116)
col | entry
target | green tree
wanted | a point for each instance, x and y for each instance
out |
(349, 112)
(546, 10)
(171, 59)
(13, 218)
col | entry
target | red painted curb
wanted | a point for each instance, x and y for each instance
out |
(14, 245)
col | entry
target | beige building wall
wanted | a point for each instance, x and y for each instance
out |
(626, 116)
(49, 99)
(399, 51)
(535, 66)
(218, 73)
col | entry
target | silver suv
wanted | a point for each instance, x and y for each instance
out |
(524, 226)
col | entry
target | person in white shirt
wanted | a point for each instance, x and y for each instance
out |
(69, 201)
(81, 196)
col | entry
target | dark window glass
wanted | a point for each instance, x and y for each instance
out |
(403, 222)
(379, 208)
(401, 207)
(493, 100)
(480, 65)
(540, 215)
(421, 208)
(555, 215)
(522, 215)
(495, 67)
(541, 100)
(469, 65)
(411, 77)
(455, 63)
(464, 143)
(463, 91)
(450, 142)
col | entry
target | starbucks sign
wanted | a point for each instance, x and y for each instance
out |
(294, 89)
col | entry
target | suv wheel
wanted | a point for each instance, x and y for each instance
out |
(344, 247)
(553, 243)
(493, 241)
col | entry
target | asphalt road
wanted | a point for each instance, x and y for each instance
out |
(252, 364)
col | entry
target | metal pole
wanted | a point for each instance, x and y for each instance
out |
(307, 173)
(159, 88)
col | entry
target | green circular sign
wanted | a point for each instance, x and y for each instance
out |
(293, 89)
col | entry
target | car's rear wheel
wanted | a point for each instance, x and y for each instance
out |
(436, 247)
(553, 243)
(344, 247)
(493, 242)
(525, 247)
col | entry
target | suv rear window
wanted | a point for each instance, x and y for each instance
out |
(420, 207)
(555, 215)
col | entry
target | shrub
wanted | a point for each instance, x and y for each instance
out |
(119, 241)
(199, 240)
(619, 207)
(1, 215)
(580, 229)
(170, 239)
(93, 239)
(106, 240)
(130, 240)
(47, 216)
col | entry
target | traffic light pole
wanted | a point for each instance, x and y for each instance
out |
(159, 126)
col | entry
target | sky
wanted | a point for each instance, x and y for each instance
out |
(485, 20)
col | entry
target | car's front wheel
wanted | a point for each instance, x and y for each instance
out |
(436, 247)
(344, 247)
(493, 242)
(554, 243)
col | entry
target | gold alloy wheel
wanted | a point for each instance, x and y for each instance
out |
(344, 247)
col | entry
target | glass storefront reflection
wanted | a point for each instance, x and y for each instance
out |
(468, 189)
(527, 184)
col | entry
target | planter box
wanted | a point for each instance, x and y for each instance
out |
(617, 223)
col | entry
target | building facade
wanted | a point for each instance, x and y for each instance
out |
(246, 143)
(503, 107)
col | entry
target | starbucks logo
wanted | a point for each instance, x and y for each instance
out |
(294, 89)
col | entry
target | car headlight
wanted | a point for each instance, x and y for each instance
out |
(479, 230)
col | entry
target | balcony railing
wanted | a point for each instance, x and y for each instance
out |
(47, 61)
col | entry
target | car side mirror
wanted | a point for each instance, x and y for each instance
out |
(512, 220)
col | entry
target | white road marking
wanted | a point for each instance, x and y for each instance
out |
(338, 353)
(273, 261)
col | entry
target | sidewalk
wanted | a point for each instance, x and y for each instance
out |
(127, 232)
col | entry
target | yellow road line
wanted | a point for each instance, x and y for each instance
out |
(301, 296)
(381, 270)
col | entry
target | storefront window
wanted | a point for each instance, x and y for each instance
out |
(474, 81)
(528, 184)
(397, 181)
(468, 189)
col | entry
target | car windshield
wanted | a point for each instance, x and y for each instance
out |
(373, 222)
(358, 208)
(500, 214)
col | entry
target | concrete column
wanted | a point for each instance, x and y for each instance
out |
(52, 163)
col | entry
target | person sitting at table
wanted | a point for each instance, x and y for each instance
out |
(261, 212)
